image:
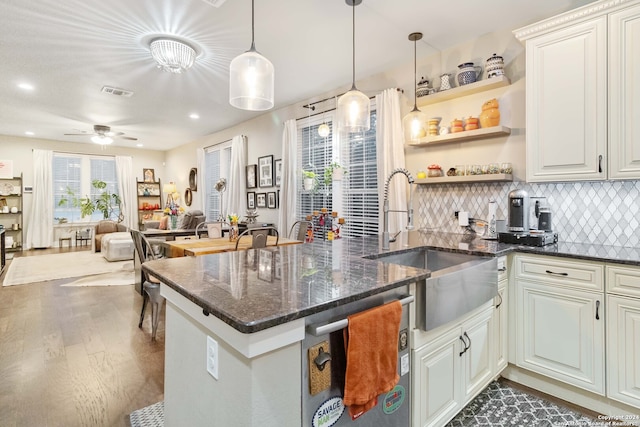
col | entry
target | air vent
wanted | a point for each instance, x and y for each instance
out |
(215, 3)
(117, 91)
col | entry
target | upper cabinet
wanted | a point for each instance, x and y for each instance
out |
(582, 94)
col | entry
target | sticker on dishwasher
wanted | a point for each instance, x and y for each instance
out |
(328, 413)
(393, 400)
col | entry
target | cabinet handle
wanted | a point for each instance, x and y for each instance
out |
(500, 303)
(557, 274)
(502, 269)
(600, 163)
(465, 334)
(597, 309)
(465, 346)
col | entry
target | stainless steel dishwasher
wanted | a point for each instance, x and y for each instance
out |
(324, 363)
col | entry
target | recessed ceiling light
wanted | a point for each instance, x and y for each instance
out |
(139, 145)
(194, 116)
(26, 86)
(29, 133)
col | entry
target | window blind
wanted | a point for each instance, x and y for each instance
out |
(217, 162)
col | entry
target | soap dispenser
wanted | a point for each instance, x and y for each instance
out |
(491, 218)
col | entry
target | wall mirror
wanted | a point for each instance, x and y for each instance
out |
(193, 179)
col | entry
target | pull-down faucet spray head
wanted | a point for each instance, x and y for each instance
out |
(386, 210)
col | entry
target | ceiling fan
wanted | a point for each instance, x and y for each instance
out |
(103, 135)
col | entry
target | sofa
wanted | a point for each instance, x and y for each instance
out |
(103, 228)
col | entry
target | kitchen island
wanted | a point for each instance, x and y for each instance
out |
(254, 303)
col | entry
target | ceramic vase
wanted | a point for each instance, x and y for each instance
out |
(233, 231)
(445, 84)
(490, 115)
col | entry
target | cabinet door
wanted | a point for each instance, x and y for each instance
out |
(478, 361)
(567, 103)
(623, 350)
(500, 328)
(436, 376)
(561, 334)
(624, 93)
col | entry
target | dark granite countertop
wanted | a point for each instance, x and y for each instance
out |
(257, 289)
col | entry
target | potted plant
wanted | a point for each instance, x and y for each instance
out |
(309, 182)
(105, 203)
(333, 172)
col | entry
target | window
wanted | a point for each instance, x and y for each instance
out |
(356, 196)
(217, 163)
(72, 178)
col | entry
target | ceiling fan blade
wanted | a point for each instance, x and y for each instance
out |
(80, 134)
(130, 138)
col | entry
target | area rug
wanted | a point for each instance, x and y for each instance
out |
(40, 268)
(149, 416)
(499, 405)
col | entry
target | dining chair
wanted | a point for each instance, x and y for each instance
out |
(150, 284)
(301, 234)
(214, 229)
(259, 236)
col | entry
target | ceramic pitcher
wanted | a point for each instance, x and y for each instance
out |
(468, 73)
(444, 82)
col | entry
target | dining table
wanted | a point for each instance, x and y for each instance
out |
(203, 246)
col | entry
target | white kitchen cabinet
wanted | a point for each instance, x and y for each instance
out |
(623, 334)
(452, 368)
(560, 320)
(500, 327)
(582, 94)
(624, 93)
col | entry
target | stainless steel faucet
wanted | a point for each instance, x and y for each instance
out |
(386, 210)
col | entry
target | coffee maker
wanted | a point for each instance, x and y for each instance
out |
(518, 211)
(524, 230)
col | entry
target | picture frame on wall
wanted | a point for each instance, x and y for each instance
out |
(278, 171)
(271, 200)
(265, 168)
(261, 200)
(251, 200)
(252, 173)
(149, 175)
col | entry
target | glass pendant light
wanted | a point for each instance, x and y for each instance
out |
(251, 78)
(354, 107)
(414, 123)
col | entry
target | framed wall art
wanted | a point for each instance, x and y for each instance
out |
(251, 200)
(251, 176)
(265, 168)
(271, 200)
(278, 167)
(261, 200)
(149, 175)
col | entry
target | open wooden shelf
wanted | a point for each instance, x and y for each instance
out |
(469, 135)
(496, 177)
(470, 89)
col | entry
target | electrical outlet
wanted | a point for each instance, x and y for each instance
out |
(455, 213)
(212, 357)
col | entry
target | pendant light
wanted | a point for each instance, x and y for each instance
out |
(354, 107)
(324, 130)
(251, 78)
(414, 123)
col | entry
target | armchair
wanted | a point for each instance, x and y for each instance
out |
(101, 229)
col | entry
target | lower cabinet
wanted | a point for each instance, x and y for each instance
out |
(623, 334)
(561, 326)
(452, 368)
(500, 327)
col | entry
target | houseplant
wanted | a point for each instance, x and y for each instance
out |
(106, 202)
(333, 172)
(309, 182)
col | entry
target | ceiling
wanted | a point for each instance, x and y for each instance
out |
(68, 50)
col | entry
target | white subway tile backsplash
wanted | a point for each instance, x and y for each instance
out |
(584, 212)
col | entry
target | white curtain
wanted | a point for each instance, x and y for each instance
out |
(127, 191)
(390, 155)
(288, 196)
(40, 230)
(202, 193)
(235, 198)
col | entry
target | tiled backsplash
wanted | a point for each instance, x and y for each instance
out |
(584, 212)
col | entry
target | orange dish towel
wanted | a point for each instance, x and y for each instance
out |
(371, 345)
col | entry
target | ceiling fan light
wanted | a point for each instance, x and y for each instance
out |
(101, 139)
(251, 82)
(172, 55)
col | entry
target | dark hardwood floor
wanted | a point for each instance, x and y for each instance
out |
(74, 356)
